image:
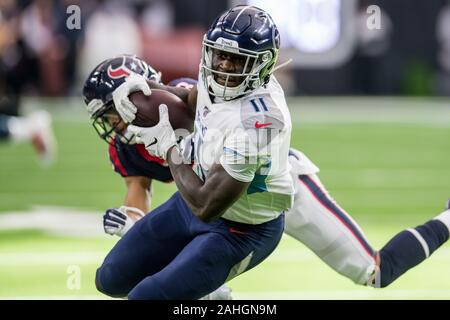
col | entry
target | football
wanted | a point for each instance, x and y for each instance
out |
(180, 116)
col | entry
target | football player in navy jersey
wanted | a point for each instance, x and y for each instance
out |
(130, 160)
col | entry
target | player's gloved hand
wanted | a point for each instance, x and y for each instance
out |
(157, 139)
(126, 109)
(117, 221)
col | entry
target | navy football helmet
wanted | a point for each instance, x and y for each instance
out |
(101, 83)
(250, 33)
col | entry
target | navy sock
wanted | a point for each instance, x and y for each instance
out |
(409, 248)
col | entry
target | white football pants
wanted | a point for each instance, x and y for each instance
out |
(323, 226)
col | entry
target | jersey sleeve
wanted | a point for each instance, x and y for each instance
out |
(133, 160)
(251, 149)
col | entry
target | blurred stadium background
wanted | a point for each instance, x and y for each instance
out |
(368, 91)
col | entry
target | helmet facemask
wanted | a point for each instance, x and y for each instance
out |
(257, 69)
(108, 129)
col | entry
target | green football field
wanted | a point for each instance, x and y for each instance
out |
(386, 161)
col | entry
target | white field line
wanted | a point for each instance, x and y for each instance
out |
(55, 220)
(50, 258)
(303, 254)
(425, 111)
(429, 112)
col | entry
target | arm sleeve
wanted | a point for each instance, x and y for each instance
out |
(133, 160)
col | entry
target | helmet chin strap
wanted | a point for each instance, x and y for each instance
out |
(225, 92)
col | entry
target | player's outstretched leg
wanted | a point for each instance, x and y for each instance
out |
(410, 247)
(324, 227)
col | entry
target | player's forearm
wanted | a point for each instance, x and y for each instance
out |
(190, 186)
(207, 199)
(138, 194)
(139, 199)
(193, 190)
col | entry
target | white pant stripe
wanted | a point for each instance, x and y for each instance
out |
(421, 241)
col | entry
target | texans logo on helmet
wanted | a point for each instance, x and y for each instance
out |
(118, 73)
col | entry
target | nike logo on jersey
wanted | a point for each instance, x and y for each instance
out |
(261, 125)
(155, 141)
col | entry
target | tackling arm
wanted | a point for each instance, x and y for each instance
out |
(208, 200)
(117, 221)
(138, 194)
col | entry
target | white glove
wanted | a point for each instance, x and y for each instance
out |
(126, 109)
(117, 221)
(157, 139)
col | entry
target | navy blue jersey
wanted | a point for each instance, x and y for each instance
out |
(131, 160)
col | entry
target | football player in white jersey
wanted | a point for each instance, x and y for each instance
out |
(315, 219)
(228, 214)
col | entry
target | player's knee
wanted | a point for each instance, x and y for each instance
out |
(110, 282)
(98, 283)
